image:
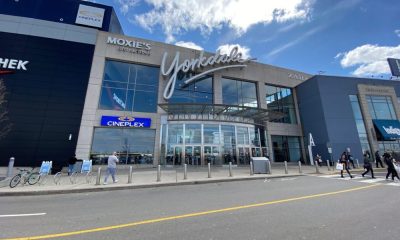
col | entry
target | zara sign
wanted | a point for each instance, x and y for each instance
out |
(234, 59)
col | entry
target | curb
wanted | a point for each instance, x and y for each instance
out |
(101, 189)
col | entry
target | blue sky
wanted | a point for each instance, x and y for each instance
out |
(335, 37)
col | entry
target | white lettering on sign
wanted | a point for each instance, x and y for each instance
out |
(128, 43)
(118, 100)
(13, 64)
(125, 124)
(197, 63)
(391, 130)
(296, 76)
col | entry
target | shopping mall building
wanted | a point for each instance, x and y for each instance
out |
(76, 84)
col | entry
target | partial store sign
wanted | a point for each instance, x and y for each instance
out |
(394, 65)
(9, 65)
(123, 121)
(90, 16)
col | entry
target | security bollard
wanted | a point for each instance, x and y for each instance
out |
(269, 167)
(328, 164)
(185, 171)
(230, 169)
(159, 173)
(317, 167)
(286, 170)
(209, 170)
(130, 175)
(98, 177)
(300, 171)
(251, 169)
(358, 164)
(10, 167)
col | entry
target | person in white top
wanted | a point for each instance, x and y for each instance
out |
(111, 167)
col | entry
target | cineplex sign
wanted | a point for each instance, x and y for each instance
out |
(232, 60)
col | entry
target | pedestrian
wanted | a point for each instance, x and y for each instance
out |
(351, 160)
(71, 164)
(344, 160)
(111, 167)
(368, 164)
(378, 159)
(391, 170)
(318, 160)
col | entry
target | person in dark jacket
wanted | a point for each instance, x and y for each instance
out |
(344, 160)
(368, 164)
(391, 170)
(378, 159)
(71, 164)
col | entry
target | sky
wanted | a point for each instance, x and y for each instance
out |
(329, 37)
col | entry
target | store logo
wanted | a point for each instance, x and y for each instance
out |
(118, 121)
(90, 16)
(297, 76)
(130, 46)
(15, 64)
(391, 130)
(196, 64)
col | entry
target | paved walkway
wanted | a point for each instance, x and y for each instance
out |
(142, 178)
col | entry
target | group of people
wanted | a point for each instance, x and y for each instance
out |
(346, 159)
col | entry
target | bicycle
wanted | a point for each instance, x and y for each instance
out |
(26, 176)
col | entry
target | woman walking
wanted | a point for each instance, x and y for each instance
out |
(344, 160)
(368, 164)
(390, 166)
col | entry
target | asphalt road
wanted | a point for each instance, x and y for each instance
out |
(286, 208)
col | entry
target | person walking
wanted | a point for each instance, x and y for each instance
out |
(391, 170)
(368, 164)
(71, 164)
(344, 160)
(111, 167)
(378, 159)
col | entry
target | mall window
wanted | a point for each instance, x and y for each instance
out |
(235, 92)
(362, 132)
(286, 148)
(381, 107)
(134, 146)
(199, 91)
(281, 99)
(129, 87)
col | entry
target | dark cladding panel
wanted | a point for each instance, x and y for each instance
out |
(45, 102)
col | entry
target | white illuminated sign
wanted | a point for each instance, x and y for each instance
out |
(195, 64)
(131, 46)
(13, 64)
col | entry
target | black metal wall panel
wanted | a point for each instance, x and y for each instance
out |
(45, 102)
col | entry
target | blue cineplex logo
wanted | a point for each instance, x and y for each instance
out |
(118, 121)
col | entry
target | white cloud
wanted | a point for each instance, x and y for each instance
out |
(369, 59)
(226, 49)
(176, 16)
(125, 5)
(397, 32)
(189, 45)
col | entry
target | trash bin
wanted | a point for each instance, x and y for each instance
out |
(260, 164)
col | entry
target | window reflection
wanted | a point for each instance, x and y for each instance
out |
(135, 146)
(199, 91)
(235, 92)
(280, 99)
(129, 87)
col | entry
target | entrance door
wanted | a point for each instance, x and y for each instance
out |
(178, 155)
(244, 155)
(193, 155)
(211, 155)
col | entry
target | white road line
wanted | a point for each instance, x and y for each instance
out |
(22, 215)
(393, 184)
(373, 180)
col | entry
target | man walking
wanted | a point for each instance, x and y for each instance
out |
(111, 167)
(367, 164)
(378, 159)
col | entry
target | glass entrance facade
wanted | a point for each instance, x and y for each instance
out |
(200, 143)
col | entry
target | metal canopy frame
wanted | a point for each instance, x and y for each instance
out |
(219, 112)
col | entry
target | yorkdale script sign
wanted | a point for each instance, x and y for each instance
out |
(234, 58)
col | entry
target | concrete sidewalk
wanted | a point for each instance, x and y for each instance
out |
(147, 177)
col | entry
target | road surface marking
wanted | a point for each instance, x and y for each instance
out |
(22, 215)
(195, 214)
